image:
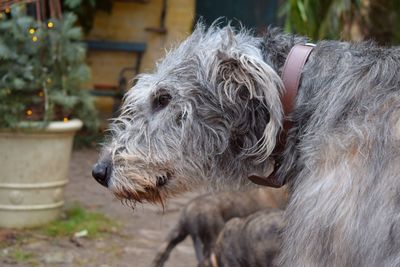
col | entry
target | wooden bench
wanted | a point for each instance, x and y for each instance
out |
(118, 90)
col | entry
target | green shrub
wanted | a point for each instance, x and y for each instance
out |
(42, 70)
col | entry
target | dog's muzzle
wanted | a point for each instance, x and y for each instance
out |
(101, 171)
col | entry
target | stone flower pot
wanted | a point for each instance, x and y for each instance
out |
(34, 171)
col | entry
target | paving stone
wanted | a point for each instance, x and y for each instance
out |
(58, 257)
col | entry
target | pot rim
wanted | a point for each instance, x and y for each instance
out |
(52, 127)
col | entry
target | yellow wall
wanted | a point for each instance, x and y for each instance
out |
(127, 22)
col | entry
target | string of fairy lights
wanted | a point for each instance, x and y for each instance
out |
(32, 31)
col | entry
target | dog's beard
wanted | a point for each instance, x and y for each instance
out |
(131, 197)
(131, 185)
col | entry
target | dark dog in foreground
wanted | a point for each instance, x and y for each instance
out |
(211, 113)
(204, 217)
(253, 241)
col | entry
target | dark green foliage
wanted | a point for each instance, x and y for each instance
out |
(318, 19)
(344, 19)
(42, 70)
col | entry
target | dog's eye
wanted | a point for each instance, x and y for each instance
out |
(161, 101)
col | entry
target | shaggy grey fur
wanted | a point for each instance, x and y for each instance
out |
(220, 122)
(253, 241)
(203, 218)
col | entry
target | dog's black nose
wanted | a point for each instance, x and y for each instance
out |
(101, 171)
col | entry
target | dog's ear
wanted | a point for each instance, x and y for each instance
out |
(250, 89)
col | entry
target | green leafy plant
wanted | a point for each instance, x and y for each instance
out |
(42, 71)
(319, 19)
(344, 19)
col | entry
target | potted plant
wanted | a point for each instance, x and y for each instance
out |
(42, 105)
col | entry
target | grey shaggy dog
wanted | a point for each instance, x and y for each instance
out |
(252, 241)
(203, 218)
(211, 113)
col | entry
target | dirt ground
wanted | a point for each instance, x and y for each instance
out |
(132, 244)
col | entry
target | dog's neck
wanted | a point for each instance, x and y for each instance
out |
(276, 46)
(290, 74)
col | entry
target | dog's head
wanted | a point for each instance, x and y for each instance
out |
(209, 114)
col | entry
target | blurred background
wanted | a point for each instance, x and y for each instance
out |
(153, 26)
(64, 67)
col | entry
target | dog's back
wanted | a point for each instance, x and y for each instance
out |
(251, 241)
(204, 217)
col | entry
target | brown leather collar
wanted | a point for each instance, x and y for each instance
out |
(291, 75)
